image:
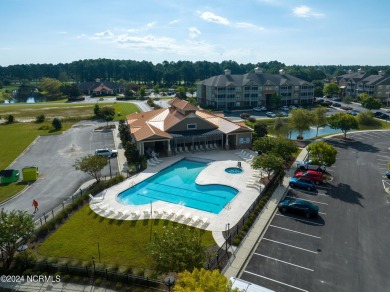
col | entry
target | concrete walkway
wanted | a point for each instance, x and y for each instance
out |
(243, 253)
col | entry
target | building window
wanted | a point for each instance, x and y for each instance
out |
(192, 126)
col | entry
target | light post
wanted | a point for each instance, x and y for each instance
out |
(93, 264)
(109, 163)
(169, 282)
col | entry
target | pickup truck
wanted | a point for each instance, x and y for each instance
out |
(306, 165)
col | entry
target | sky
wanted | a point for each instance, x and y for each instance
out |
(294, 32)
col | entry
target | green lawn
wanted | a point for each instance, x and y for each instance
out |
(17, 136)
(121, 242)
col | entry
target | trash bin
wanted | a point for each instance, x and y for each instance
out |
(9, 176)
(30, 173)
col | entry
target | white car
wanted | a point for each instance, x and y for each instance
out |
(270, 114)
(106, 152)
(259, 108)
(306, 165)
(293, 107)
(284, 108)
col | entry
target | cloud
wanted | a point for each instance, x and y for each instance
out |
(211, 17)
(193, 32)
(151, 24)
(104, 34)
(174, 21)
(305, 12)
(62, 32)
(247, 25)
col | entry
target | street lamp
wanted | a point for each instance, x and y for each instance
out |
(169, 282)
(109, 163)
(93, 264)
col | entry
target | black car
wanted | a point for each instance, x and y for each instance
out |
(336, 104)
(298, 206)
(384, 116)
(378, 114)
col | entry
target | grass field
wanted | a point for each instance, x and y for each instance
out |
(120, 242)
(16, 137)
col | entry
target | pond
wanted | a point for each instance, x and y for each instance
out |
(312, 132)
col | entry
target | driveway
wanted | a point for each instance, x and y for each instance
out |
(345, 248)
(55, 156)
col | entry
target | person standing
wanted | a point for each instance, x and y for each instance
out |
(35, 204)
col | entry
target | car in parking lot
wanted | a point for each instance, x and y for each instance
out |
(260, 109)
(284, 108)
(292, 107)
(308, 165)
(270, 114)
(282, 114)
(388, 173)
(378, 114)
(353, 112)
(336, 104)
(384, 116)
(298, 206)
(105, 152)
(302, 183)
(315, 176)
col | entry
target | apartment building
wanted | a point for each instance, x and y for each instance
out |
(354, 83)
(253, 89)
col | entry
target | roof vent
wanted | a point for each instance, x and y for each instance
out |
(97, 79)
(281, 72)
(360, 71)
(227, 72)
(381, 72)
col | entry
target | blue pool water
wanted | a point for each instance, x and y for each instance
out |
(176, 184)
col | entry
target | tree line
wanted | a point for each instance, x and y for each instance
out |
(167, 73)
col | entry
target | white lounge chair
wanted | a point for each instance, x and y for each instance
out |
(195, 219)
(241, 152)
(168, 213)
(179, 215)
(186, 149)
(109, 211)
(201, 148)
(250, 158)
(157, 214)
(204, 221)
(135, 214)
(146, 213)
(149, 163)
(122, 212)
(179, 150)
(154, 160)
(197, 148)
(207, 147)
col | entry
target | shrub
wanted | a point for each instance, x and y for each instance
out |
(76, 279)
(66, 278)
(10, 119)
(118, 286)
(251, 119)
(40, 119)
(57, 124)
(367, 119)
(98, 281)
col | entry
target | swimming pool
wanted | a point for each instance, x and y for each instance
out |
(176, 184)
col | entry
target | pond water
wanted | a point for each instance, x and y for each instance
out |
(312, 132)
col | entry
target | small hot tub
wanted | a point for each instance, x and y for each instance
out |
(233, 170)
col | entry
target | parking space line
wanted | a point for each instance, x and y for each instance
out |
(290, 245)
(259, 254)
(331, 170)
(321, 213)
(300, 219)
(309, 200)
(260, 276)
(295, 231)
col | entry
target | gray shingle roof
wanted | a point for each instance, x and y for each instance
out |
(258, 79)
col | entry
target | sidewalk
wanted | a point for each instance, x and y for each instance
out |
(50, 286)
(248, 245)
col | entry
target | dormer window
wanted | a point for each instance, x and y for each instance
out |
(192, 126)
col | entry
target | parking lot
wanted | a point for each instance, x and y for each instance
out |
(345, 247)
(55, 156)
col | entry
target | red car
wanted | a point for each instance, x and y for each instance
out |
(315, 176)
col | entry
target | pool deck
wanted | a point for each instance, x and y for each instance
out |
(106, 204)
